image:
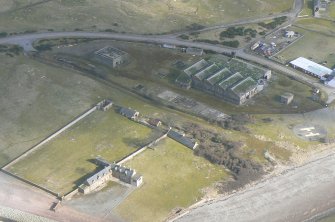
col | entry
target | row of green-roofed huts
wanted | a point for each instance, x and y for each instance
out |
(225, 81)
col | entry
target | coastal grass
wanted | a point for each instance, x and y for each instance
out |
(66, 161)
(173, 177)
(37, 99)
(280, 131)
(307, 9)
(214, 35)
(138, 16)
(332, 10)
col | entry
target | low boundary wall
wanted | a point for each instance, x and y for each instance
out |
(31, 183)
(50, 137)
(140, 150)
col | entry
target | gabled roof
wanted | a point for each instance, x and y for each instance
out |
(244, 86)
(137, 177)
(196, 67)
(91, 180)
(128, 112)
(218, 76)
(102, 162)
(110, 52)
(205, 73)
(231, 80)
(311, 67)
(154, 122)
(182, 139)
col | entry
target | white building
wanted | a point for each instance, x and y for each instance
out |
(289, 34)
(310, 67)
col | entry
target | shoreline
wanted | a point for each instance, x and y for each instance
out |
(282, 171)
(322, 215)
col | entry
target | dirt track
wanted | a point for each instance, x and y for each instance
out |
(17, 195)
(293, 196)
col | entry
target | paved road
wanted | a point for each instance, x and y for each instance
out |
(292, 15)
(295, 196)
(26, 41)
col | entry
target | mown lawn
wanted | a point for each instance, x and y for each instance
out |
(173, 177)
(66, 161)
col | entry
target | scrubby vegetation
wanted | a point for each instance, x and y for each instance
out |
(233, 44)
(3, 34)
(276, 22)
(237, 122)
(232, 32)
(186, 37)
(195, 26)
(46, 44)
(219, 150)
(11, 50)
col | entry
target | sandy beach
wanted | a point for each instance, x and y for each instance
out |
(297, 194)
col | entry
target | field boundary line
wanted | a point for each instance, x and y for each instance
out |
(30, 183)
(50, 137)
(141, 149)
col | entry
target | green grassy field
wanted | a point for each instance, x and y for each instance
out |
(173, 177)
(64, 162)
(37, 99)
(280, 131)
(140, 16)
(308, 8)
(332, 10)
(305, 47)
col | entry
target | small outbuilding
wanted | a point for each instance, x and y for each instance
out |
(154, 122)
(105, 105)
(111, 56)
(286, 98)
(289, 34)
(194, 51)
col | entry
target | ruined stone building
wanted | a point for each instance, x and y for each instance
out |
(111, 56)
(105, 105)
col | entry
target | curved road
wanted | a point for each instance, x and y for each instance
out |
(26, 42)
(265, 200)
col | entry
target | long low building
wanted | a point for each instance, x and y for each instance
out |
(180, 138)
(310, 67)
(235, 81)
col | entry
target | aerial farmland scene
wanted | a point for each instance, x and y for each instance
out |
(167, 111)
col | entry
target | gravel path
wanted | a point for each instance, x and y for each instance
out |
(20, 216)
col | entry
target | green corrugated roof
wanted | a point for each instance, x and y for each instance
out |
(244, 86)
(218, 76)
(183, 78)
(231, 80)
(199, 66)
(210, 70)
